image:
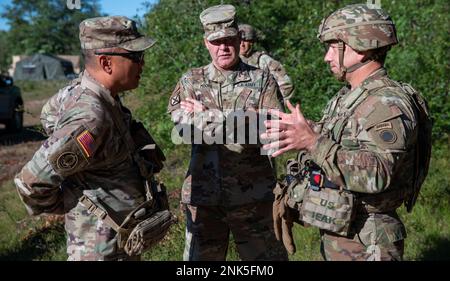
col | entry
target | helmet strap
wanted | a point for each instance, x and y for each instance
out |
(358, 65)
(344, 70)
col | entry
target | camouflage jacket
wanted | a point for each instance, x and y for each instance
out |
(227, 174)
(368, 147)
(262, 60)
(84, 154)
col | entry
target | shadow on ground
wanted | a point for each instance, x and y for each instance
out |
(439, 249)
(37, 245)
(30, 133)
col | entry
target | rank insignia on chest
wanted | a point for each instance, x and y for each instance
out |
(86, 141)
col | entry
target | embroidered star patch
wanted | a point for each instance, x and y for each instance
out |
(86, 141)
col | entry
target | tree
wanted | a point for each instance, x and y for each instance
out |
(290, 28)
(4, 56)
(46, 26)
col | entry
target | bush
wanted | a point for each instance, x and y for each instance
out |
(289, 28)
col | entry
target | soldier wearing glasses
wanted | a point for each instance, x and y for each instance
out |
(86, 154)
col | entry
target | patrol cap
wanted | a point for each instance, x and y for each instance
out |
(219, 22)
(113, 31)
(248, 33)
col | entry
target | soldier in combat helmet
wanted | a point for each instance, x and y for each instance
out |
(368, 154)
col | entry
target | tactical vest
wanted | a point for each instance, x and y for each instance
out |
(334, 209)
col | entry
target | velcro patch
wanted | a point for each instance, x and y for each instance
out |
(86, 141)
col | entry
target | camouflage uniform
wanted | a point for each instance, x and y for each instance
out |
(362, 167)
(86, 153)
(370, 153)
(264, 61)
(228, 186)
(368, 141)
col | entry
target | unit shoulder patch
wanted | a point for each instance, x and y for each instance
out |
(67, 161)
(73, 152)
(388, 136)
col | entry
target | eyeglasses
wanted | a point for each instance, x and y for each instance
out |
(136, 57)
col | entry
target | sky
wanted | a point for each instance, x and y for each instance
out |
(127, 8)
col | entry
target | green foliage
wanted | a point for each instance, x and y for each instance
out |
(5, 58)
(38, 91)
(26, 238)
(289, 29)
(43, 26)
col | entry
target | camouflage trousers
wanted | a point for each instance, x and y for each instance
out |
(90, 239)
(376, 237)
(208, 229)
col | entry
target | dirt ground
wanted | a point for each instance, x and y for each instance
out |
(17, 149)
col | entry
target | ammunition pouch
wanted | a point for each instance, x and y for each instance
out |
(318, 201)
(144, 227)
(147, 224)
(148, 233)
(328, 209)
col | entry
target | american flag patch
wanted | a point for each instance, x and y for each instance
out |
(86, 141)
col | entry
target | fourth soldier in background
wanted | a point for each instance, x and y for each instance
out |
(263, 61)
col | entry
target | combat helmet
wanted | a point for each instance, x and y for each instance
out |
(248, 33)
(363, 27)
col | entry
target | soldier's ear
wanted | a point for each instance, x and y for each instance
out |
(105, 64)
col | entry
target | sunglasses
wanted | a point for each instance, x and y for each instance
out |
(136, 57)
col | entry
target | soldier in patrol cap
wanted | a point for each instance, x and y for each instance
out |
(262, 60)
(368, 154)
(228, 187)
(87, 169)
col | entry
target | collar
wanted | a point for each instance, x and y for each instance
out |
(87, 81)
(377, 74)
(351, 96)
(239, 74)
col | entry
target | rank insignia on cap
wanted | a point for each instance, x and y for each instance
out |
(86, 141)
(175, 100)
